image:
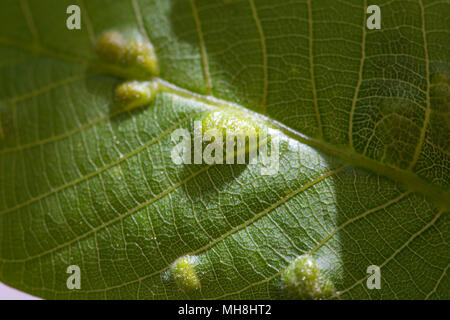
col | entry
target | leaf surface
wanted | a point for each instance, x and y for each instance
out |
(363, 117)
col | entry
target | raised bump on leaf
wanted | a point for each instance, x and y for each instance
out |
(231, 122)
(235, 128)
(141, 52)
(111, 46)
(132, 94)
(302, 279)
(183, 272)
(132, 51)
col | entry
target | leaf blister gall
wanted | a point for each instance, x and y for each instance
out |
(239, 134)
(112, 47)
(227, 122)
(302, 279)
(143, 55)
(137, 55)
(132, 94)
(134, 52)
(184, 274)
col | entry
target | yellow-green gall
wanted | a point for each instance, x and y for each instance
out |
(238, 132)
(230, 123)
(302, 279)
(111, 46)
(184, 274)
(143, 55)
(131, 51)
(133, 94)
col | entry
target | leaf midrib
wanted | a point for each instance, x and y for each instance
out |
(410, 180)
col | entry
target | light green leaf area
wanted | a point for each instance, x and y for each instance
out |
(362, 116)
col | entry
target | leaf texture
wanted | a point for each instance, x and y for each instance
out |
(362, 116)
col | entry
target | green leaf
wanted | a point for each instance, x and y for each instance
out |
(362, 116)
